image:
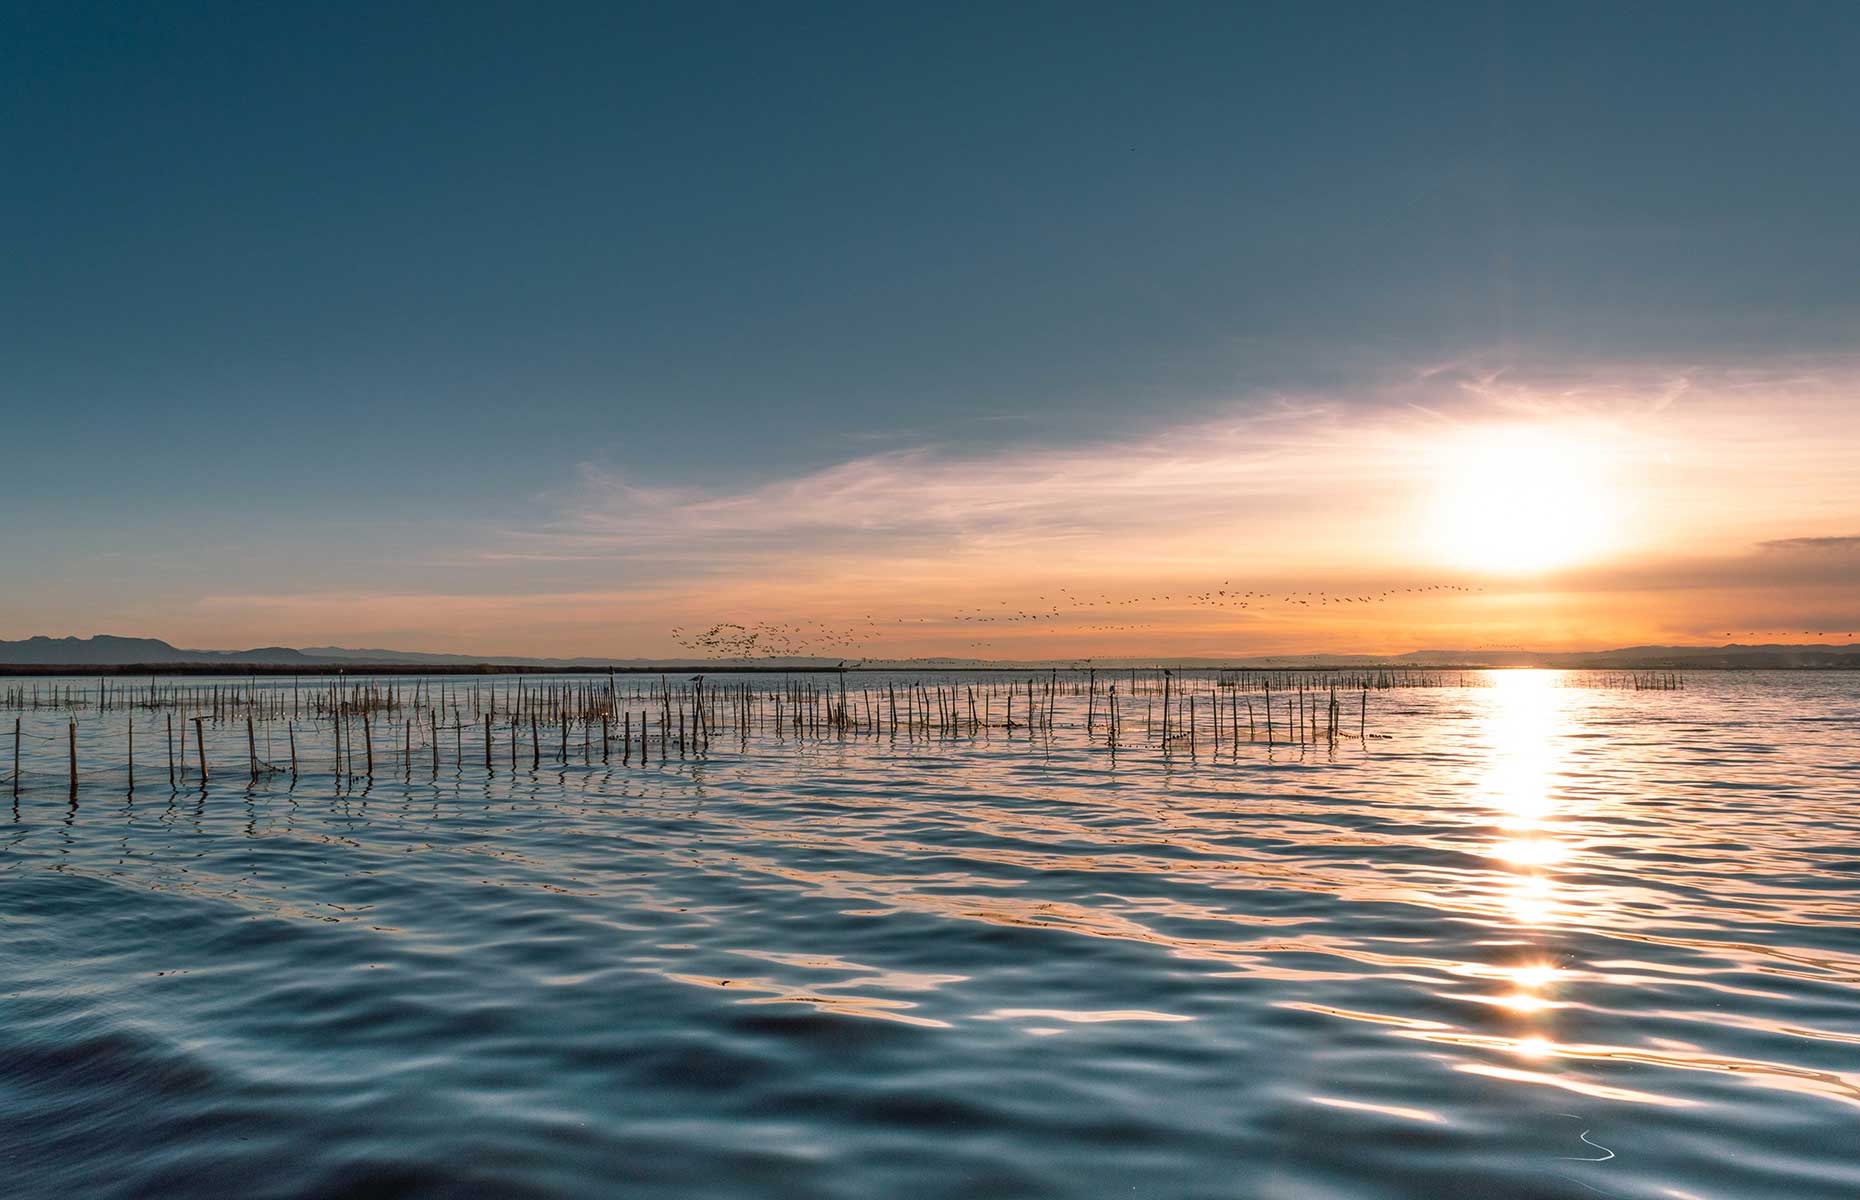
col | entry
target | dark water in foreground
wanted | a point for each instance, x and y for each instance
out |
(1540, 941)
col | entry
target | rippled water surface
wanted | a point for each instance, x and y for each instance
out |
(1530, 938)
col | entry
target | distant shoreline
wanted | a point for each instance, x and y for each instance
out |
(320, 670)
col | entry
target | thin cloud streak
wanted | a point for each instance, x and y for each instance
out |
(921, 499)
(1824, 544)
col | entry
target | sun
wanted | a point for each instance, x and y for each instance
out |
(1521, 501)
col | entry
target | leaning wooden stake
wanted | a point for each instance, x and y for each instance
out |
(200, 744)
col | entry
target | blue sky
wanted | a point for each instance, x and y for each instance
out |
(293, 291)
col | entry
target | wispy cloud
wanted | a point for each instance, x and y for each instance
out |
(1144, 495)
(1825, 544)
(1282, 480)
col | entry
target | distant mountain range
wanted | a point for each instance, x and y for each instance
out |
(106, 650)
(117, 652)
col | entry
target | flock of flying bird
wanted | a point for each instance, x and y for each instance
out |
(810, 638)
(1224, 596)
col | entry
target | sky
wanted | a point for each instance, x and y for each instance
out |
(1134, 329)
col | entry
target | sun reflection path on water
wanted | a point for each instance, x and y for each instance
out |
(1525, 733)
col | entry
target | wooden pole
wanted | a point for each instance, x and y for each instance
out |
(71, 738)
(15, 757)
(130, 725)
(251, 748)
(200, 744)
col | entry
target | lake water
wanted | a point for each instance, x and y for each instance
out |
(1529, 938)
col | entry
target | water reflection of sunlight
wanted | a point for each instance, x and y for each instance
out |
(1534, 1046)
(1523, 731)
(1526, 714)
(1535, 976)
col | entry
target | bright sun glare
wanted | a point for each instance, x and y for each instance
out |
(1522, 500)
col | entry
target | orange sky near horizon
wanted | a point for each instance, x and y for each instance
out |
(1554, 514)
